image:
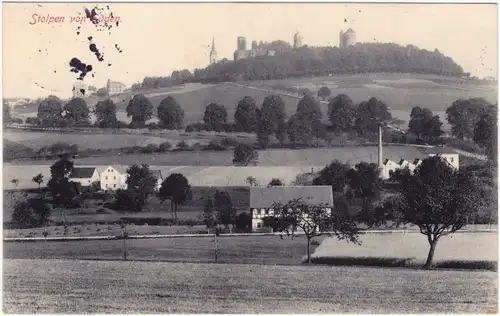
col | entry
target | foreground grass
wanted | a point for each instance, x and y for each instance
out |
(85, 287)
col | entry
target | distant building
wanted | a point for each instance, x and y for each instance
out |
(213, 53)
(243, 53)
(262, 199)
(115, 87)
(297, 40)
(79, 89)
(347, 38)
(115, 177)
(84, 175)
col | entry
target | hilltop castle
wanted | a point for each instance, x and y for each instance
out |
(243, 53)
(213, 53)
(347, 38)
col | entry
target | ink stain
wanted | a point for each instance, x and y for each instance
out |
(93, 49)
(109, 64)
(118, 48)
(92, 15)
(82, 91)
(78, 67)
(89, 38)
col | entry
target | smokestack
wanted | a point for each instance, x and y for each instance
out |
(380, 159)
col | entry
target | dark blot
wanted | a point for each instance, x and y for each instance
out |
(93, 76)
(89, 38)
(345, 20)
(92, 15)
(93, 49)
(77, 33)
(39, 50)
(117, 23)
(107, 7)
(82, 91)
(55, 71)
(118, 48)
(78, 67)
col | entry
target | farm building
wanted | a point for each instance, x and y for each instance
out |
(262, 199)
(115, 177)
(84, 175)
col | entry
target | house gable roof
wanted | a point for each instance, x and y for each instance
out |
(265, 197)
(82, 173)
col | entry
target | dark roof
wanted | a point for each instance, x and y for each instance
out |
(263, 197)
(82, 173)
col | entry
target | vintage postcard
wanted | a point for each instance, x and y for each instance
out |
(248, 158)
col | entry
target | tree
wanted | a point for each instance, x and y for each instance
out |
(76, 112)
(63, 191)
(140, 109)
(215, 116)
(15, 182)
(308, 110)
(38, 179)
(177, 189)
(341, 113)
(314, 220)
(294, 131)
(209, 217)
(318, 130)
(370, 115)
(105, 112)
(50, 111)
(244, 155)
(324, 92)
(463, 116)
(103, 92)
(485, 131)
(335, 174)
(275, 182)
(272, 112)
(170, 113)
(142, 183)
(264, 129)
(438, 199)
(31, 213)
(424, 124)
(252, 181)
(226, 213)
(245, 116)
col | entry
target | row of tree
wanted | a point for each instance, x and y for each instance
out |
(317, 61)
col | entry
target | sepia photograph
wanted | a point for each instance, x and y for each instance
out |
(250, 158)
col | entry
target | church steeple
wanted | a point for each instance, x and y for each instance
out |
(213, 53)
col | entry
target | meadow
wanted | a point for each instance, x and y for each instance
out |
(91, 287)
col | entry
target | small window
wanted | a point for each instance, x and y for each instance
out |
(114, 178)
(106, 178)
(114, 185)
(89, 181)
(106, 186)
(259, 225)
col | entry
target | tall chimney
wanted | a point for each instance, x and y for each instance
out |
(380, 158)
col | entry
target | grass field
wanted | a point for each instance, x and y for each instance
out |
(89, 287)
(214, 168)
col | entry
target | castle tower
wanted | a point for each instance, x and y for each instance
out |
(254, 45)
(242, 43)
(213, 53)
(347, 38)
(341, 39)
(297, 40)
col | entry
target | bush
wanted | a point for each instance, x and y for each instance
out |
(214, 146)
(33, 120)
(31, 213)
(164, 147)
(182, 145)
(189, 129)
(149, 149)
(229, 142)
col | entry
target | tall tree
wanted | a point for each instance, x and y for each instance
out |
(246, 114)
(369, 116)
(308, 109)
(463, 116)
(273, 112)
(226, 213)
(314, 220)
(335, 174)
(170, 113)
(62, 190)
(49, 110)
(245, 154)
(438, 199)
(209, 216)
(425, 124)
(215, 116)
(486, 131)
(177, 189)
(77, 112)
(105, 112)
(140, 109)
(341, 113)
(141, 182)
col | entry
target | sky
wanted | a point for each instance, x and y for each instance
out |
(158, 38)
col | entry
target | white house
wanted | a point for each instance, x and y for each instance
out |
(389, 166)
(262, 199)
(115, 177)
(84, 175)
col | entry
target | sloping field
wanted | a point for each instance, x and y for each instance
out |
(458, 246)
(89, 287)
(215, 168)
